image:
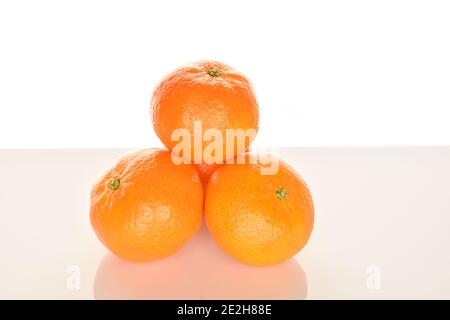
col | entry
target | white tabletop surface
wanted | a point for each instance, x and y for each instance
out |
(382, 231)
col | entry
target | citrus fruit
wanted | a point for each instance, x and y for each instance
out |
(146, 207)
(259, 219)
(201, 97)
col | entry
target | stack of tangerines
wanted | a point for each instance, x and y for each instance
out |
(152, 201)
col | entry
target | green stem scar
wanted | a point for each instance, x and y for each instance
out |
(213, 72)
(115, 183)
(281, 193)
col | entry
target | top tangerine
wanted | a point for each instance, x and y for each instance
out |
(210, 93)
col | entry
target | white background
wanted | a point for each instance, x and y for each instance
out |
(81, 73)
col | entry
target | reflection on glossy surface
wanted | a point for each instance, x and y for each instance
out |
(199, 271)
